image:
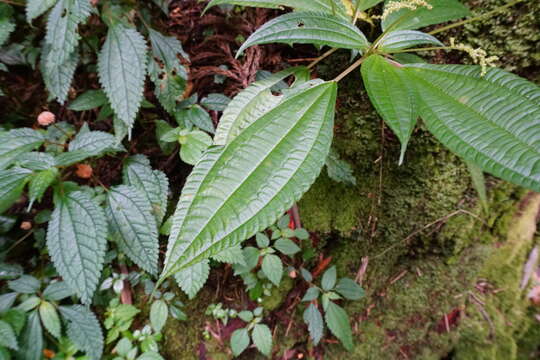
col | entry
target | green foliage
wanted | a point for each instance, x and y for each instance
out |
(192, 278)
(158, 314)
(84, 329)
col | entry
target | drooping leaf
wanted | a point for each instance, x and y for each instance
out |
(252, 103)
(404, 39)
(314, 321)
(31, 344)
(88, 100)
(193, 278)
(58, 78)
(40, 182)
(133, 226)
(12, 183)
(193, 144)
(26, 284)
(84, 330)
(272, 267)
(490, 121)
(76, 239)
(308, 28)
(153, 184)
(349, 289)
(262, 338)
(392, 95)
(339, 170)
(338, 322)
(57, 291)
(36, 8)
(257, 180)
(62, 36)
(239, 341)
(158, 315)
(122, 70)
(441, 11)
(16, 142)
(50, 319)
(7, 336)
(479, 183)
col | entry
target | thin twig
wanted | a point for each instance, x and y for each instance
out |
(322, 57)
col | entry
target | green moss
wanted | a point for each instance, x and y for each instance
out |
(278, 294)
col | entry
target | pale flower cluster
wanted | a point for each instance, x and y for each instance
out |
(479, 56)
(394, 6)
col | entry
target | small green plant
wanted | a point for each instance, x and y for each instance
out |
(254, 331)
(335, 317)
(219, 313)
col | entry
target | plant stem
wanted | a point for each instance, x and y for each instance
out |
(353, 66)
(475, 18)
(322, 57)
(12, 2)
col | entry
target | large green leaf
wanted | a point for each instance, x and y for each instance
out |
(58, 78)
(251, 103)
(338, 322)
(12, 183)
(16, 142)
(76, 239)
(491, 121)
(35, 8)
(133, 226)
(193, 278)
(403, 39)
(393, 96)
(308, 28)
(153, 184)
(84, 330)
(122, 70)
(262, 338)
(242, 188)
(62, 24)
(441, 11)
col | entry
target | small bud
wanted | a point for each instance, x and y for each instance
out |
(292, 274)
(46, 118)
(26, 225)
(84, 171)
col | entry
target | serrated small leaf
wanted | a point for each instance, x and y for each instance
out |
(200, 118)
(488, 120)
(216, 102)
(193, 278)
(308, 28)
(286, 246)
(262, 240)
(26, 284)
(245, 315)
(311, 294)
(169, 85)
(31, 339)
(314, 321)
(339, 170)
(153, 184)
(40, 182)
(76, 239)
(329, 278)
(122, 71)
(16, 142)
(272, 267)
(62, 24)
(404, 39)
(94, 143)
(58, 78)
(232, 255)
(7, 336)
(36, 8)
(393, 96)
(440, 11)
(133, 226)
(262, 338)
(50, 319)
(338, 322)
(84, 330)
(57, 291)
(239, 341)
(12, 183)
(349, 289)
(158, 315)
(251, 103)
(36, 161)
(29, 304)
(88, 100)
(243, 200)
(193, 144)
